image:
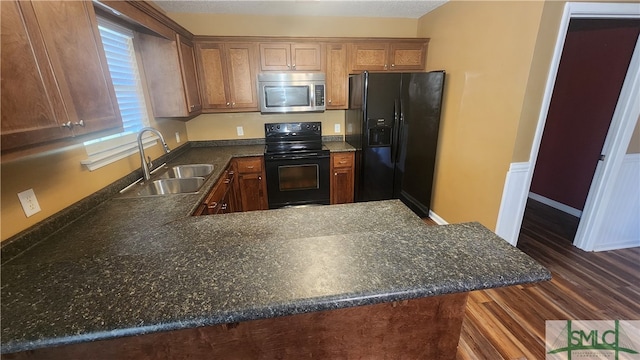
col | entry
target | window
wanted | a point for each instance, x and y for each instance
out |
(117, 42)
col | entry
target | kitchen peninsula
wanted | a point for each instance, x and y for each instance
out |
(138, 277)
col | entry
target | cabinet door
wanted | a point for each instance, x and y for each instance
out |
(306, 56)
(74, 48)
(189, 78)
(408, 56)
(241, 64)
(213, 76)
(252, 194)
(342, 178)
(369, 56)
(32, 109)
(337, 76)
(166, 77)
(275, 56)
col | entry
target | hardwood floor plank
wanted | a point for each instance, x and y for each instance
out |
(510, 322)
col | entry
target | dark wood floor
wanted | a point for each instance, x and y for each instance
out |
(509, 323)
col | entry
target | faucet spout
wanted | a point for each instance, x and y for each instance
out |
(145, 166)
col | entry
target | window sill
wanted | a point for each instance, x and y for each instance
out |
(120, 148)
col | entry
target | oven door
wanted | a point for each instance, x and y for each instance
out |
(297, 180)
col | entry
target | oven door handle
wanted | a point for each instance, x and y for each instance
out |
(300, 157)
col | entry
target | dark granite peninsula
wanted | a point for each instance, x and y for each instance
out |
(138, 278)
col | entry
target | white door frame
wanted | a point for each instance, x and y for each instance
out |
(624, 119)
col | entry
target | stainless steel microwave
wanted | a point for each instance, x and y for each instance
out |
(291, 92)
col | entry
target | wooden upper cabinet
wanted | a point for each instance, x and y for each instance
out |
(54, 73)
(227, 76)
(408, 56)
(388, 56)
(298, 56)
(169, 66)
(369, 56)
(189, 78)
(337, 76)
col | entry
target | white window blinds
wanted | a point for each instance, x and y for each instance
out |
(118, 46)
(117, 42)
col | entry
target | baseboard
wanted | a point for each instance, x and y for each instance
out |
(625, 244)
(556, 205)
(437, 219)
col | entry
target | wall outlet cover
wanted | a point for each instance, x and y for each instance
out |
(178, 137)
(240, 130)
(336, 128)
(29, 202)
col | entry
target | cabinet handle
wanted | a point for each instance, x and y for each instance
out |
(259, 177)
(67, 125)
(294, 66)
(342, 162)
(329, 101)
(192, 107)
(233, 104)
(79, 123)
(289, 66)
(224, 207)
(393, 65)
(335, 174)
(228, 104)
(250, 167)
(213, 205)
(227, 181)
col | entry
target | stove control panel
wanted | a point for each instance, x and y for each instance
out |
(293, 130)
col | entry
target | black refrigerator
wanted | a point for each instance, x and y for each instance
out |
(393, 121)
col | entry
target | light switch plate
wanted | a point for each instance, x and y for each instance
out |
(29, 202)
(336, 128)
(177, 137)
(240, 130)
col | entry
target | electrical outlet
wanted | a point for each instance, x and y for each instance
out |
(29, 202)
(240, 130)
(178, 137)
(336, 128)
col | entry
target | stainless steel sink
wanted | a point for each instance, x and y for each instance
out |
(188, 171)
(171, 186)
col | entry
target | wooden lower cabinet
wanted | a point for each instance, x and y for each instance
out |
(252, 183)
(425, 328)
(342, 177)
(242, 187)
(222, 197)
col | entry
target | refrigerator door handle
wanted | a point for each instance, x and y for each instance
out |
(395, 139)
(400, 131)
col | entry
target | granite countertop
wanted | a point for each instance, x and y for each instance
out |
(135, 265)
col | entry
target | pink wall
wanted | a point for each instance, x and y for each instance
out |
(591, 72)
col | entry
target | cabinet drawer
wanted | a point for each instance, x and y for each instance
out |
(249, 165)
(343, 160)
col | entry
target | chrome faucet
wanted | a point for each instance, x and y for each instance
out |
(145, 166)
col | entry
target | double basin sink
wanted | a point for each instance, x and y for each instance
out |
(178, 179)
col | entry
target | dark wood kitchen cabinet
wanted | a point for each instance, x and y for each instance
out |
(222, 197)
(170, 69)
(252, 183)
(284, 56)
(342, 177)
(55, 78)
(388, 56)
(227, 75)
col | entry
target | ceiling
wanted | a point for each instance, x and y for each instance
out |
(375, 8)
